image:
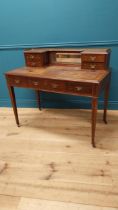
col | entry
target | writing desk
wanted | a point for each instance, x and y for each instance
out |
(66, 79)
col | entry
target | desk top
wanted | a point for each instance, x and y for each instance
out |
(65, 73)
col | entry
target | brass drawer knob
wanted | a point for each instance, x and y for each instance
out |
(78, 88)
(35, 83)
(31, 56)
(17, 81)
(54, 85)
(92, 66)
(92, 58)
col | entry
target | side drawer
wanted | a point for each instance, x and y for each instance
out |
(93, 58)
(33, 59)
(33, 56)
(18, 81)
(36, 59)
(79, 89)
(93, 66)
(33, 63)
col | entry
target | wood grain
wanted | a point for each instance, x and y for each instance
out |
(9, 202)
(33, 204)
(50, 158)
(3, 166)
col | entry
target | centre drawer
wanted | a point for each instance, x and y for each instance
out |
(34, 83)
(52, 85)
(79, 89)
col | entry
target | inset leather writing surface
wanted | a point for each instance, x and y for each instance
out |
(61, 73)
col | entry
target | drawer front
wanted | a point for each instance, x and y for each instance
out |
(34, 83)
(33, 63)
(93, 58)
(52, 85)
(33, 59)
(79, 89)
(18, 81)
(93, 66)
(33, 56)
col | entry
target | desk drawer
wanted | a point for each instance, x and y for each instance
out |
(100, 58)
(93, 66)
(18, 81)
(79, 89)
(36, 59)
(33, 59)
(34, 83)
(33, 63)
(33, 56)
(52, 85)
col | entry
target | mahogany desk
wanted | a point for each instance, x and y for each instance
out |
(68, 79)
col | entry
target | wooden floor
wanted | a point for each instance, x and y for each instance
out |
(51, 165)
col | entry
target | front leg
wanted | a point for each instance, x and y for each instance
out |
(94, 116)
(13, 101)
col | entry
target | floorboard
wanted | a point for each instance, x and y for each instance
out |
(50, 157)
